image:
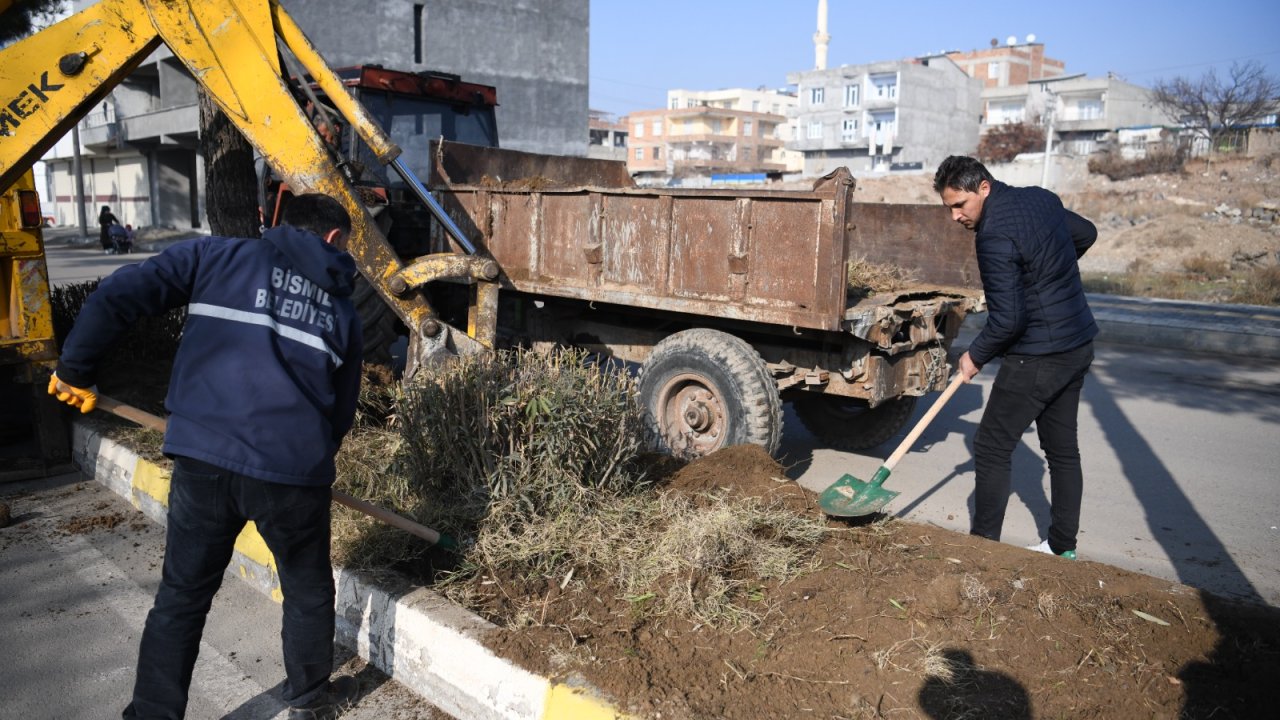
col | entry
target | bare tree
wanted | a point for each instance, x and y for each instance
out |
(24, 17)
(1214, 107)
(230, 181)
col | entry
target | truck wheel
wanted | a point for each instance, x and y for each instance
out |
(704, 389)
(380, 324)
(848, 424)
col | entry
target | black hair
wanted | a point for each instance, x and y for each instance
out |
(960, 172)
(316, 213)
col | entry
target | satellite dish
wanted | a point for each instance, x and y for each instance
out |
(994, 42)
(1031, 38)
(1012, 40)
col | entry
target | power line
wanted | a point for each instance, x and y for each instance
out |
(1201, 64)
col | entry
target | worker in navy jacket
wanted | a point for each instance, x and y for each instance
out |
(262, 392)
(1039, 322)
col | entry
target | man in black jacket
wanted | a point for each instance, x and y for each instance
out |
(1039, 321)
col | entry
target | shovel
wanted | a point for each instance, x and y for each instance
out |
(153, 422)
(851, 497)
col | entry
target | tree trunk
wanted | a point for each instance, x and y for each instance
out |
(231, 183)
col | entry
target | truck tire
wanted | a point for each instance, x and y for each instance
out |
(704, 389)
(848, 424)
(379, 323)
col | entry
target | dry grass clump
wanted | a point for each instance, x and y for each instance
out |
(866, 279)
(1158, 160)
(1202, 280)
(534, 463)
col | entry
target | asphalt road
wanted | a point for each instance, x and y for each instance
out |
(80, 263)
(1180, 457)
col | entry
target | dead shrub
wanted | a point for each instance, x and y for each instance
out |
(866, 279)
(1205, 266)
(1261, 286)
(1158, 160)
(1003, 143)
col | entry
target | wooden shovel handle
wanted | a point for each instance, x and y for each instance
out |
(153, 422)
(924, 421)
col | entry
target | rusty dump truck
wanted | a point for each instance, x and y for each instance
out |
(731, 301)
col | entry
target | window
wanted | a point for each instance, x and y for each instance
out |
(657, 126)
(851, 96)
(690, 103)
(993, 71)
(1006, 112)
(1090, 109)
(755, 106)
(849, 130)
(639, 153)
(816, 95)
(883, 126)
(639, 129)
(885, 86)
(675, 103)
(747, 127)
(688, 126)
(716, 127)
(815, 130)
(657, 153)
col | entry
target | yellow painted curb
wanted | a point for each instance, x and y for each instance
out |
(567, 703)
(151, 480)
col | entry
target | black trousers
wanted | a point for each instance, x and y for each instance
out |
(208, 506)
(1044, 389)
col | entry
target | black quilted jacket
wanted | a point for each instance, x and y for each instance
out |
(1027, 246)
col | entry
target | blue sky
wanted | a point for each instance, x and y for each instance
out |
(642, 48)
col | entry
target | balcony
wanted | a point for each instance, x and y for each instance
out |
(172, 126)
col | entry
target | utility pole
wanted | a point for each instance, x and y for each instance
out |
(1050, 104)
(76, 170)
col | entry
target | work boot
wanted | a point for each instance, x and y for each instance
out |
(342, 692)
(1043, 547)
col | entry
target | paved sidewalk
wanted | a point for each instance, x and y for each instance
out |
(80, 568)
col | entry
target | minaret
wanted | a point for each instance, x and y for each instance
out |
(821, 38)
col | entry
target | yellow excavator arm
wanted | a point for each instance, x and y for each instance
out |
(233, 49)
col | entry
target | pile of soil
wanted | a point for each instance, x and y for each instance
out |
(905, 620)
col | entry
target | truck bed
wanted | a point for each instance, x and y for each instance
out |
(775, 257)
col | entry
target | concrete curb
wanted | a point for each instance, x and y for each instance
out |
(420, 639)
(1237, 330)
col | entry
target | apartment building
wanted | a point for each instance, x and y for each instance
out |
(708, 137)
(1085, 112)
(906, 114)
(139, 148)
(1013, 63)
(606, 136)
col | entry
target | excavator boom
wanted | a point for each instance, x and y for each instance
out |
(233, 49)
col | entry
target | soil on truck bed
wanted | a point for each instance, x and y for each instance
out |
(901, 620)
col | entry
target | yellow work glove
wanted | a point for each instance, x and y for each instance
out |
(76, 397)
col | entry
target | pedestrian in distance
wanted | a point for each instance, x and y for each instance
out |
(105, 220)
(1038, 320)
(263, 391)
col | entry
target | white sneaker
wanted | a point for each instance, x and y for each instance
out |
(1043, 547)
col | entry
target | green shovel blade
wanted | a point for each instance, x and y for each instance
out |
(851, 497)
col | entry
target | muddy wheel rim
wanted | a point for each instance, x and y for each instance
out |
(691, 415)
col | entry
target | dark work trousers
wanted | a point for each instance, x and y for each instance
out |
(208, 506)
(1044, 389)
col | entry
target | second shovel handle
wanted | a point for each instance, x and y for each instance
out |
(924, 421)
